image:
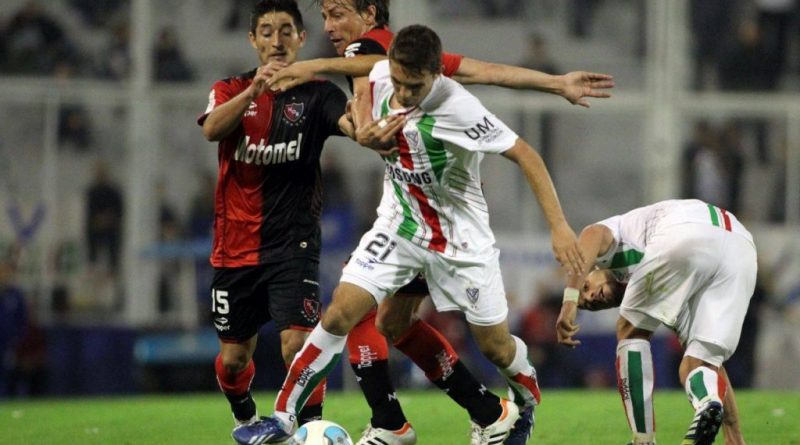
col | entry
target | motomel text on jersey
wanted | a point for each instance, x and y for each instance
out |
(409, 177)
(260, 154)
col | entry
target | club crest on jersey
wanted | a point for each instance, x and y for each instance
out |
(473, 293)
(311, 310)
(412, 137)
(294, 111)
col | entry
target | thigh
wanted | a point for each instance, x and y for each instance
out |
(293, 292)
(238, 311)
(473, 286)
(382, 263)
(717, 314)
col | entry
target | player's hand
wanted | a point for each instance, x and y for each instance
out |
(379, 135)
(261, 79)
(578, 85)
(566, 249)
(566, 328)
(291, 76)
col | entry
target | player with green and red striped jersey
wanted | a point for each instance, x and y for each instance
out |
(434, 220)
(688, 265)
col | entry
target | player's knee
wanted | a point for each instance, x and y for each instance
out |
(235, 363)
(337, 321)
(392, 328)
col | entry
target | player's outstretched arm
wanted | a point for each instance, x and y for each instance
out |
(301, 72)
(565, 243)
(575, 86)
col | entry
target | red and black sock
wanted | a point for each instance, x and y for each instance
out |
(428, 348)
(236, 387)
(369, 355)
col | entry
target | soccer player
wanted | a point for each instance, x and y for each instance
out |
(267, 205)
(685, 264)
(360, 28)
(433, 218)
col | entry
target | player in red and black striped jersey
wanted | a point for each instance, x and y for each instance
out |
(360, 28)
(268, 203)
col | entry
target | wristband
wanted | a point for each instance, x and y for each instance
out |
(571, 294)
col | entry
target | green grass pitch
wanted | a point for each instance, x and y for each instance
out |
(575, 417)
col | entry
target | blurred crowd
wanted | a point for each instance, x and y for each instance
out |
(35, 42)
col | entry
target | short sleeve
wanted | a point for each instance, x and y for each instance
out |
(221, 92)
(466, 123)
(613, 224)
(362, 47)
(451, 63)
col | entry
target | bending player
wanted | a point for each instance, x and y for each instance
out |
(685, 264)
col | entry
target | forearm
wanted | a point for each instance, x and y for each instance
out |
(348, 66)
(472, 71)
(226, 117)
(541, 184)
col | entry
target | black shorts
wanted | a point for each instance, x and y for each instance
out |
(245, 298)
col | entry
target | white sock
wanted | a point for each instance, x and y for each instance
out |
(702, 386)
(635, 383)
(314, 362)
(521, 377)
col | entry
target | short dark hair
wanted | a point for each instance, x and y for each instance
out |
(381, 9)
(417, 49)
(266, 6)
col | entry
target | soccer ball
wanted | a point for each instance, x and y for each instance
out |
(320, 432)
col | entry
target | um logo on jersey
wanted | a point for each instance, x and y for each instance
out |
(484, 132)
(260, 154)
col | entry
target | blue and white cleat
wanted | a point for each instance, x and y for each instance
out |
(523, 427)
(266, 430)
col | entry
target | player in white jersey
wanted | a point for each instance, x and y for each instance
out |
(433, 219)
(685, 264)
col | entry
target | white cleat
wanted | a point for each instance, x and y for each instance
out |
(379, 436)
(497, 432)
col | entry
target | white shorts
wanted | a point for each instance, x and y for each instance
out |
(384, 262)
(697, 280)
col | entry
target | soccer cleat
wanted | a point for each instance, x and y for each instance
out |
(705, 425)
(523, 427)
(497, 432)
(380, 436)
(266, 430)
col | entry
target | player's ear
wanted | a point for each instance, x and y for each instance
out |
(252, 38)
(368, 15)
(302, 37)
